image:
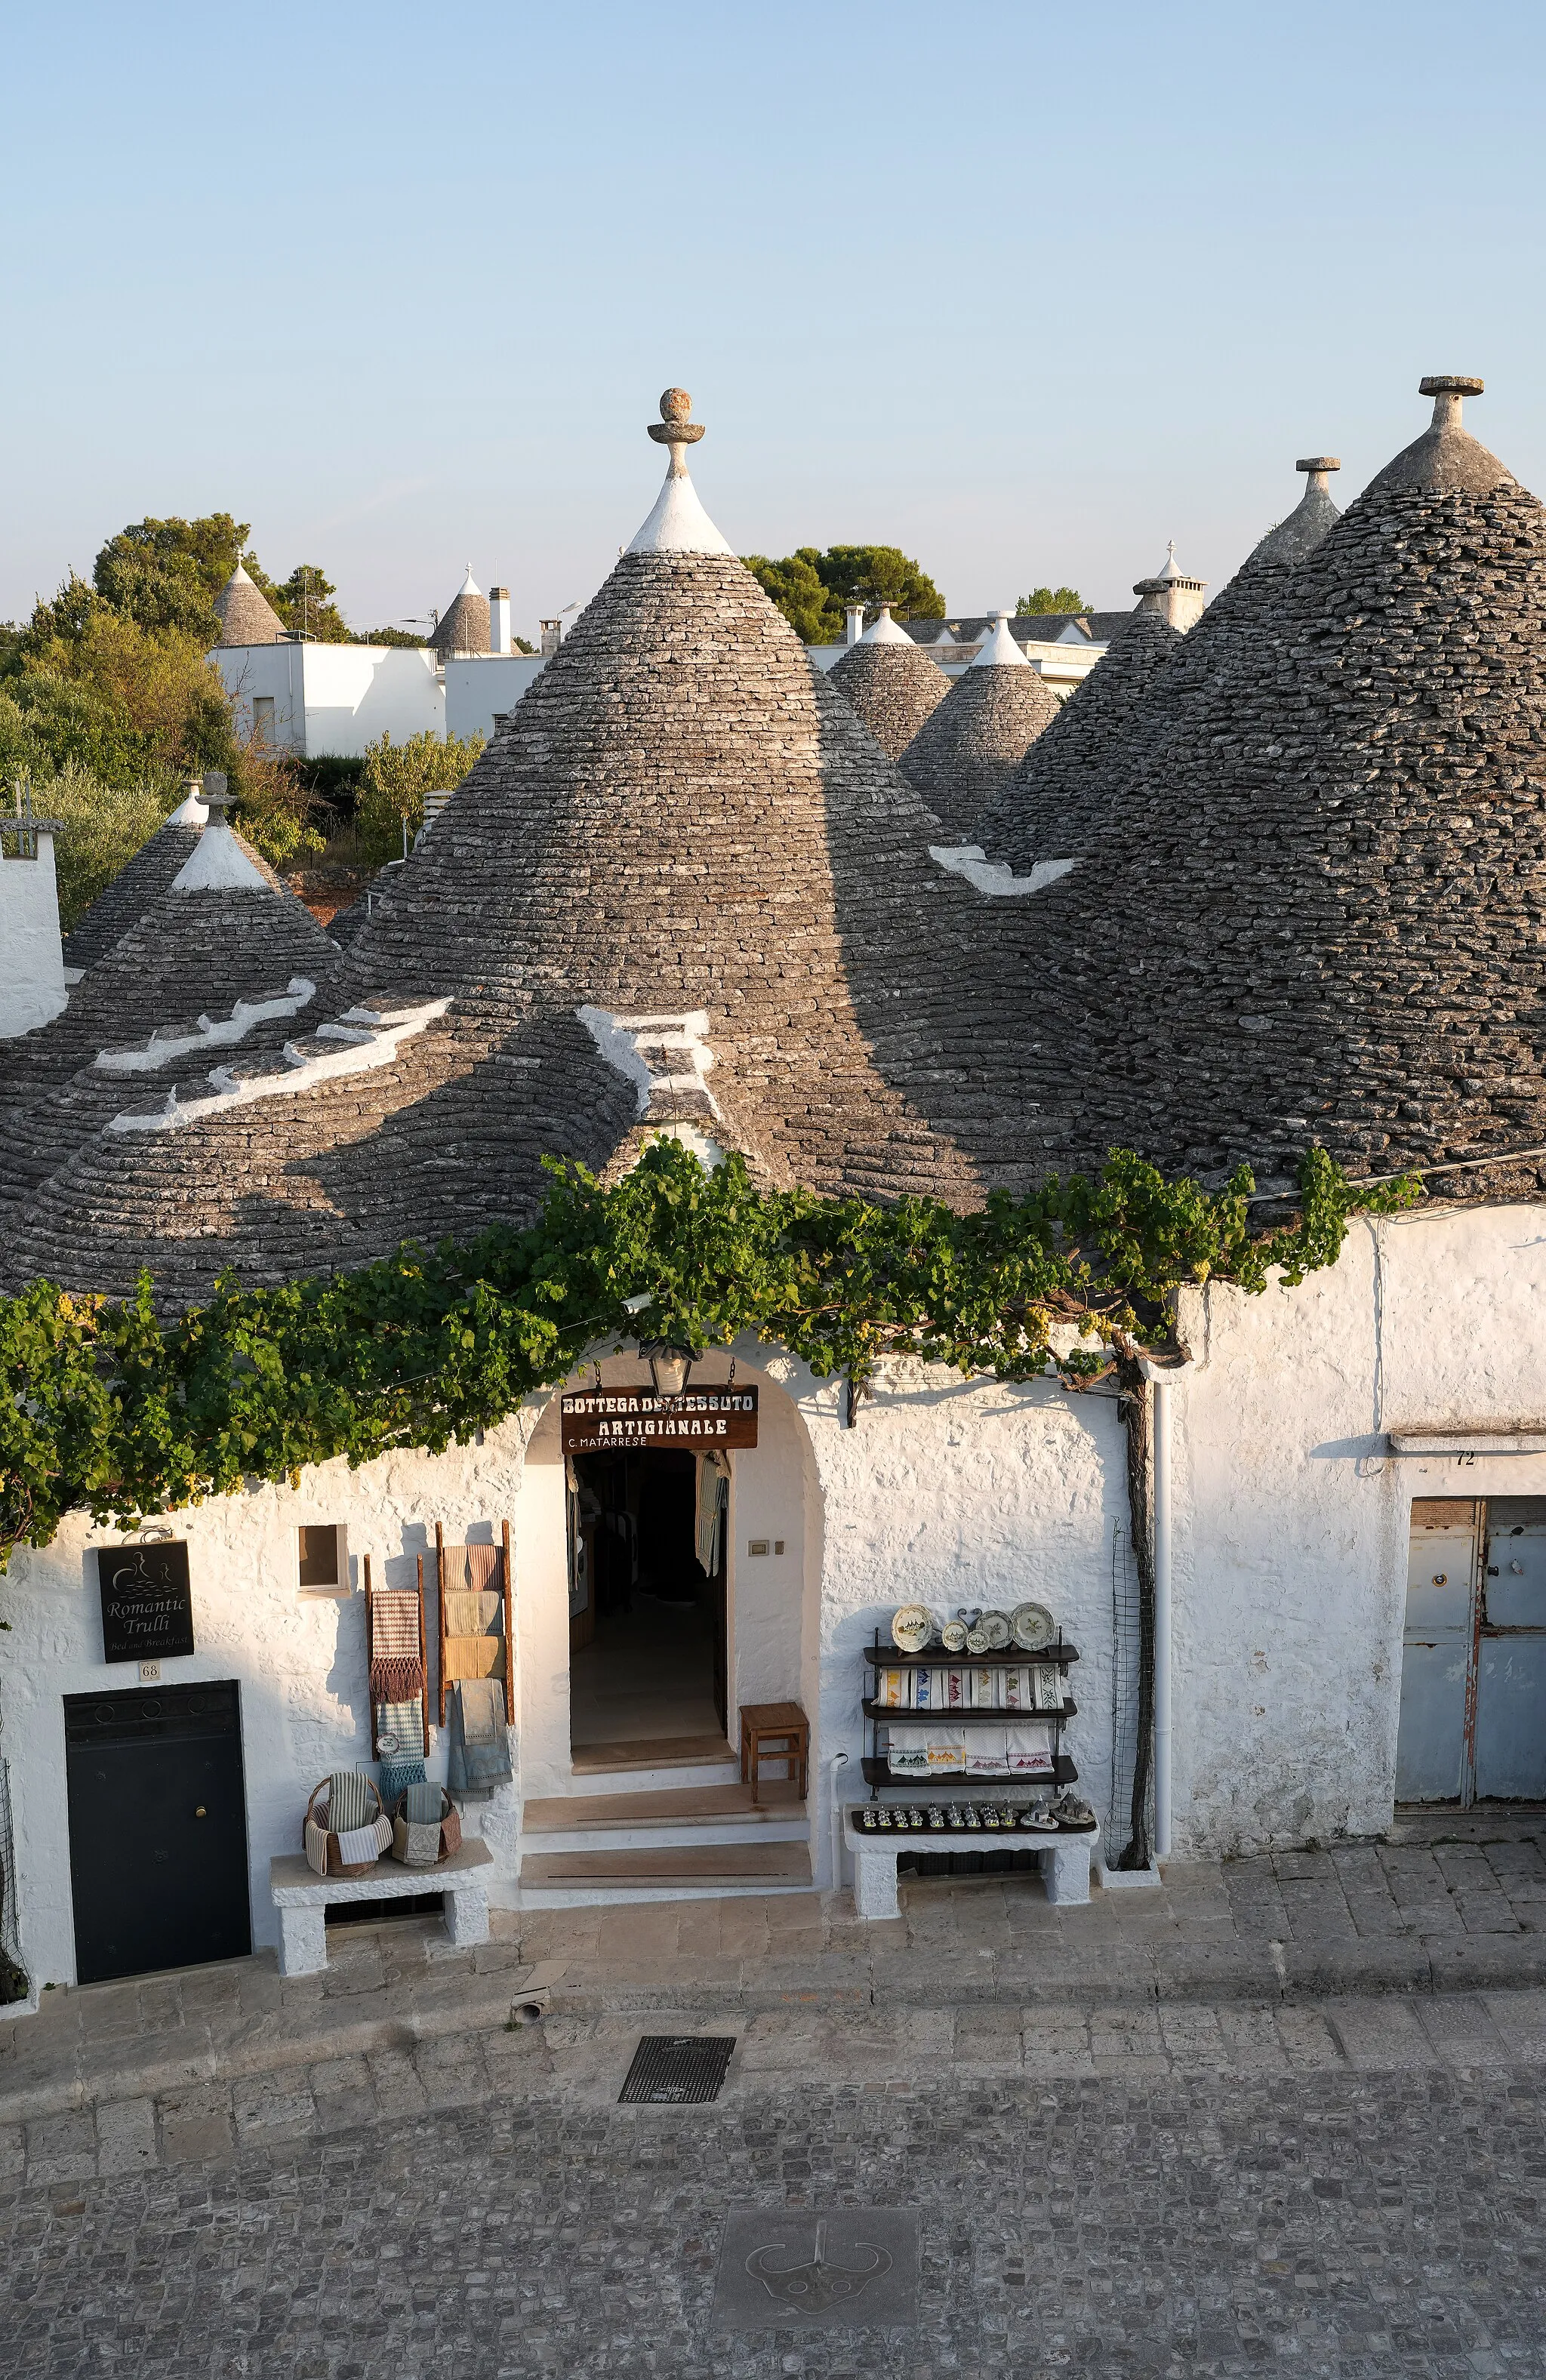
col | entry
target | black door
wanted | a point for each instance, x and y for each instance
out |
(158, 1830)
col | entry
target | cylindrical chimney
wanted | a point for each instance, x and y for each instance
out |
(499, 619)
(853, 616)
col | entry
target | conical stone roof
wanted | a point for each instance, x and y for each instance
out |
(1046, 807)
(145, 877)
(1090, 777)
(246, 615)
(164, 997)
(465, 627)
(681, 888)
(987, 722)
(1322, 918)
(889, 681)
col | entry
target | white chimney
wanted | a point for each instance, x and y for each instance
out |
(553, 637)
(499, 619)
(853, 616)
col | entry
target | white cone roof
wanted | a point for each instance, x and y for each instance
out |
(999, 651)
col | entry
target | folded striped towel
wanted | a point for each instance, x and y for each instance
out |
(400, 1729)
(474, 1657)
(350, 1801)
(423, 1805)
(469, 1569)
(357, 1846)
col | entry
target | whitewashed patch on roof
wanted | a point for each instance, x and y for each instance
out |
(369, 1036)
(170, 1041)
(991, 875)
(667, 1057)
(218, 864)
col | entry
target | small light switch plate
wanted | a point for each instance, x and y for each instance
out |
(756, 1545)
(778, 1545)
(150, 1673)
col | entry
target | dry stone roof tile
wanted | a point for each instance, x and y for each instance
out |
(892, 689)
(967, 746)
(246, 615)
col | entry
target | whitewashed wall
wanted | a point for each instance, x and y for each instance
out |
(31, 961)
(477, 685)
(942, 1492)
(1292, 1518)
(334, 699)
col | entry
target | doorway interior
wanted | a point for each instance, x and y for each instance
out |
(1473, 1663)
(648, 1652)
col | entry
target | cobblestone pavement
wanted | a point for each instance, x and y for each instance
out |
(1290, 2215)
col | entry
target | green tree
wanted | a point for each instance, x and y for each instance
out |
(1050, 599)
(304, 603)
(397, 778)
(796, 587)
(167, 574)
(880, 574)
(105, 826)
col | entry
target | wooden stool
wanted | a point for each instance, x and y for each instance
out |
(775, 1730)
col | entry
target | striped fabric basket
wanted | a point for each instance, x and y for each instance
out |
(426, 1826)
(347, 1829)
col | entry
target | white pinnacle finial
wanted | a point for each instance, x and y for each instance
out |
(883, 630)
(998, 649)
(679, 522)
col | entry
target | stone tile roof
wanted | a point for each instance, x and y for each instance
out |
(966, 748)
(1072, 789)
(1322, 916)
(143, 880)
(1025, 627)
(246, 615)
(1047, 808)
(891, 688)
(188, 955)
(681, 840)
(465, 627)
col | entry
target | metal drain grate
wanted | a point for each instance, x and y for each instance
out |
(676, 2070)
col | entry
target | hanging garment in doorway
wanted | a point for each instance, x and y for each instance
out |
(713, 1494)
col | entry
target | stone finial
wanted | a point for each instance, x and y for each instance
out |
(1448, 391)
(1320, 464)
(214, 792)
(674, 429)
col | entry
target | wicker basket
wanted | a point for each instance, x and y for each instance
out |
(428, 1843)
(321, 1842)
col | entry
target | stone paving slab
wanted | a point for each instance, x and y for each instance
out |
(1156, 2221)
(1454, 1907)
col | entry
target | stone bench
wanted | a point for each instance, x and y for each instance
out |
(303, 1898)
(1064, 1861)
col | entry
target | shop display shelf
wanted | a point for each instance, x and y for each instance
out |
(900, 1716)
(886, 1657)
(877, 1772)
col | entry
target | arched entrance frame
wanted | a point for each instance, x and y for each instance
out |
(773, 1600)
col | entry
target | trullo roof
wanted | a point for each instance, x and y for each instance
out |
(143, 879)
(1322, 919)
(890, 681)
(246, 615)
(989, 720)
(465, 627)
(681, 888)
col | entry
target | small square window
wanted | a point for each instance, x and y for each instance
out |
(323, 1563)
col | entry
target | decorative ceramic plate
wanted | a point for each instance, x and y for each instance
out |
(1033, 1627)
(995, 1627)
(976, 1640)
(953, 1635)
(912, 1627)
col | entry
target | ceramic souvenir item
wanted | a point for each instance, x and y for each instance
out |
(953, 1635)
(976, 1640)
(1073, 1813)
(995, 1627)
(1032, 1626)
(912, 1627)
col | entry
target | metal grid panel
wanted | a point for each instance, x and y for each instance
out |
(676, 2070)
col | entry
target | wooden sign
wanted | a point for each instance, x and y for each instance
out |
(614, 1421)
(147, 1603)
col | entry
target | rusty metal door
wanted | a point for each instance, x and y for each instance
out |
(1511, 1653)
(1435, 1748)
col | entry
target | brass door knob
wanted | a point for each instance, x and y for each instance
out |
(200, 1812)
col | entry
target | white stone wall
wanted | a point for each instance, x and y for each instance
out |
(942, 1492)
(334, 699)
(1292, 1519)
(31, 961)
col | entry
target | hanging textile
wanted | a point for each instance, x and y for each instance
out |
(478, 1760)
(713, 1493)
(396, 1657)
(475, 1616)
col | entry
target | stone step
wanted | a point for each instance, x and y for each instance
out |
(683, 1815)
(664, 1872)
(648, 1752)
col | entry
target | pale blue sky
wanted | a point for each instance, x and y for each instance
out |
(1025, 290)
